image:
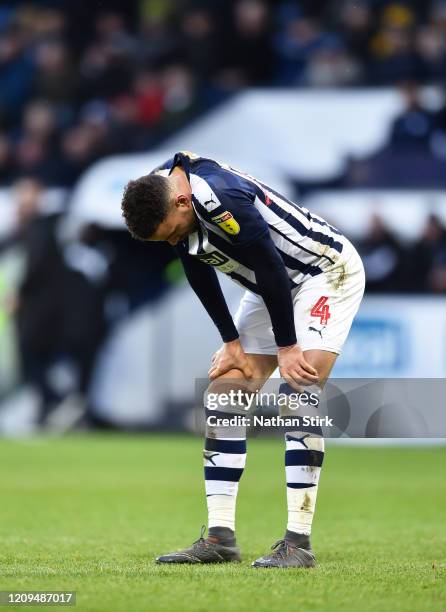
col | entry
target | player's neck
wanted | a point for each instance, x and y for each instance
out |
(179, 178)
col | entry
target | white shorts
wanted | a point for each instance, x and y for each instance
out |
(324, 308)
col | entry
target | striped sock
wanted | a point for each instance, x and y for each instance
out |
(224, 461)
(304, 455)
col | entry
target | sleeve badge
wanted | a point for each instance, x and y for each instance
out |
(227, 223)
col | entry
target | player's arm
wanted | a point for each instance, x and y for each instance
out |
(234, 211)
(203, 280)
(274, 286)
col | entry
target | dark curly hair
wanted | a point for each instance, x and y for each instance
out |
(145, 204)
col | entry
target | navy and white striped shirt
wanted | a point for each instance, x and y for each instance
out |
(235, 210)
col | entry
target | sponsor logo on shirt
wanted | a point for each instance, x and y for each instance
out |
(223, 263)
(227, 223)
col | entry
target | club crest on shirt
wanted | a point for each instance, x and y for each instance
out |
(227, 223)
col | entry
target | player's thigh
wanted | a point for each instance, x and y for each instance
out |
(262, 367)
(325, 306)
(254, 326)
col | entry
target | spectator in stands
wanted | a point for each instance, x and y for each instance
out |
(417, 141)
(427, 259)
(437, 15)
(332, 66)
(437, 277)
(16, 74)
(35, 151)
(59, 307)
(86, 274)
(431, 49)
(355, 25)
(382, 256)
(201, 43)
(393, 56)
(298, 38)
(248, 59)
(40, 22)
(148, 92)
(179, 97)
(37, 305)
(106, 66)
(414, 127)
(157, 42)
(56, 80)
(78, 152)
(438, 139)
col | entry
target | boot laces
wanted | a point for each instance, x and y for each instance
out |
(281, 549)
(201, 542)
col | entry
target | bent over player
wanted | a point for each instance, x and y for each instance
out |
(304, 282)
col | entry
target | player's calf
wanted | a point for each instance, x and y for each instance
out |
(224, 461)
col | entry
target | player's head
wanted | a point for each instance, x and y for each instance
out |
(155, 208)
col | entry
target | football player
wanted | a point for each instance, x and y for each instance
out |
(304, 282)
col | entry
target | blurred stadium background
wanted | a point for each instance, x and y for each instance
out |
(340, 104)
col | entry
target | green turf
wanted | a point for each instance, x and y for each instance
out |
(90, 513)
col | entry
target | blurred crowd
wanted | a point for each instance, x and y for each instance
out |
(81, 80)
(392, 265)
(413, 155)
(70, 295)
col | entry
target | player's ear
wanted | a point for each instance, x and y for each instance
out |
(182, 201)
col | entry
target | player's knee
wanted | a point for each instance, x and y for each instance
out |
(322, 361)
(226, 394)
(230, 380)
(235, 380)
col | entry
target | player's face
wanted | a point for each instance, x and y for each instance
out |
(179, 223)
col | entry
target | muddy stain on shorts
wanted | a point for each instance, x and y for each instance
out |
(336, 278)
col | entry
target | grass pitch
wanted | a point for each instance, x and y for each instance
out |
(90, 513)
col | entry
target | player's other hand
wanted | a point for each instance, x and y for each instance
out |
(231, 356)
(294, 368)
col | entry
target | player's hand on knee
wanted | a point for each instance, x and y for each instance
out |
(294, 368)
(231, 356)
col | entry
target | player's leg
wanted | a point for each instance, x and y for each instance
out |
(224, 462)
(304, 455)
(324, 311)
(225, 448)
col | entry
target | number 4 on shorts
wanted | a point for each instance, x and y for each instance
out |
(322, 310)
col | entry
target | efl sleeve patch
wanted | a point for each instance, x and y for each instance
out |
(227, 223)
